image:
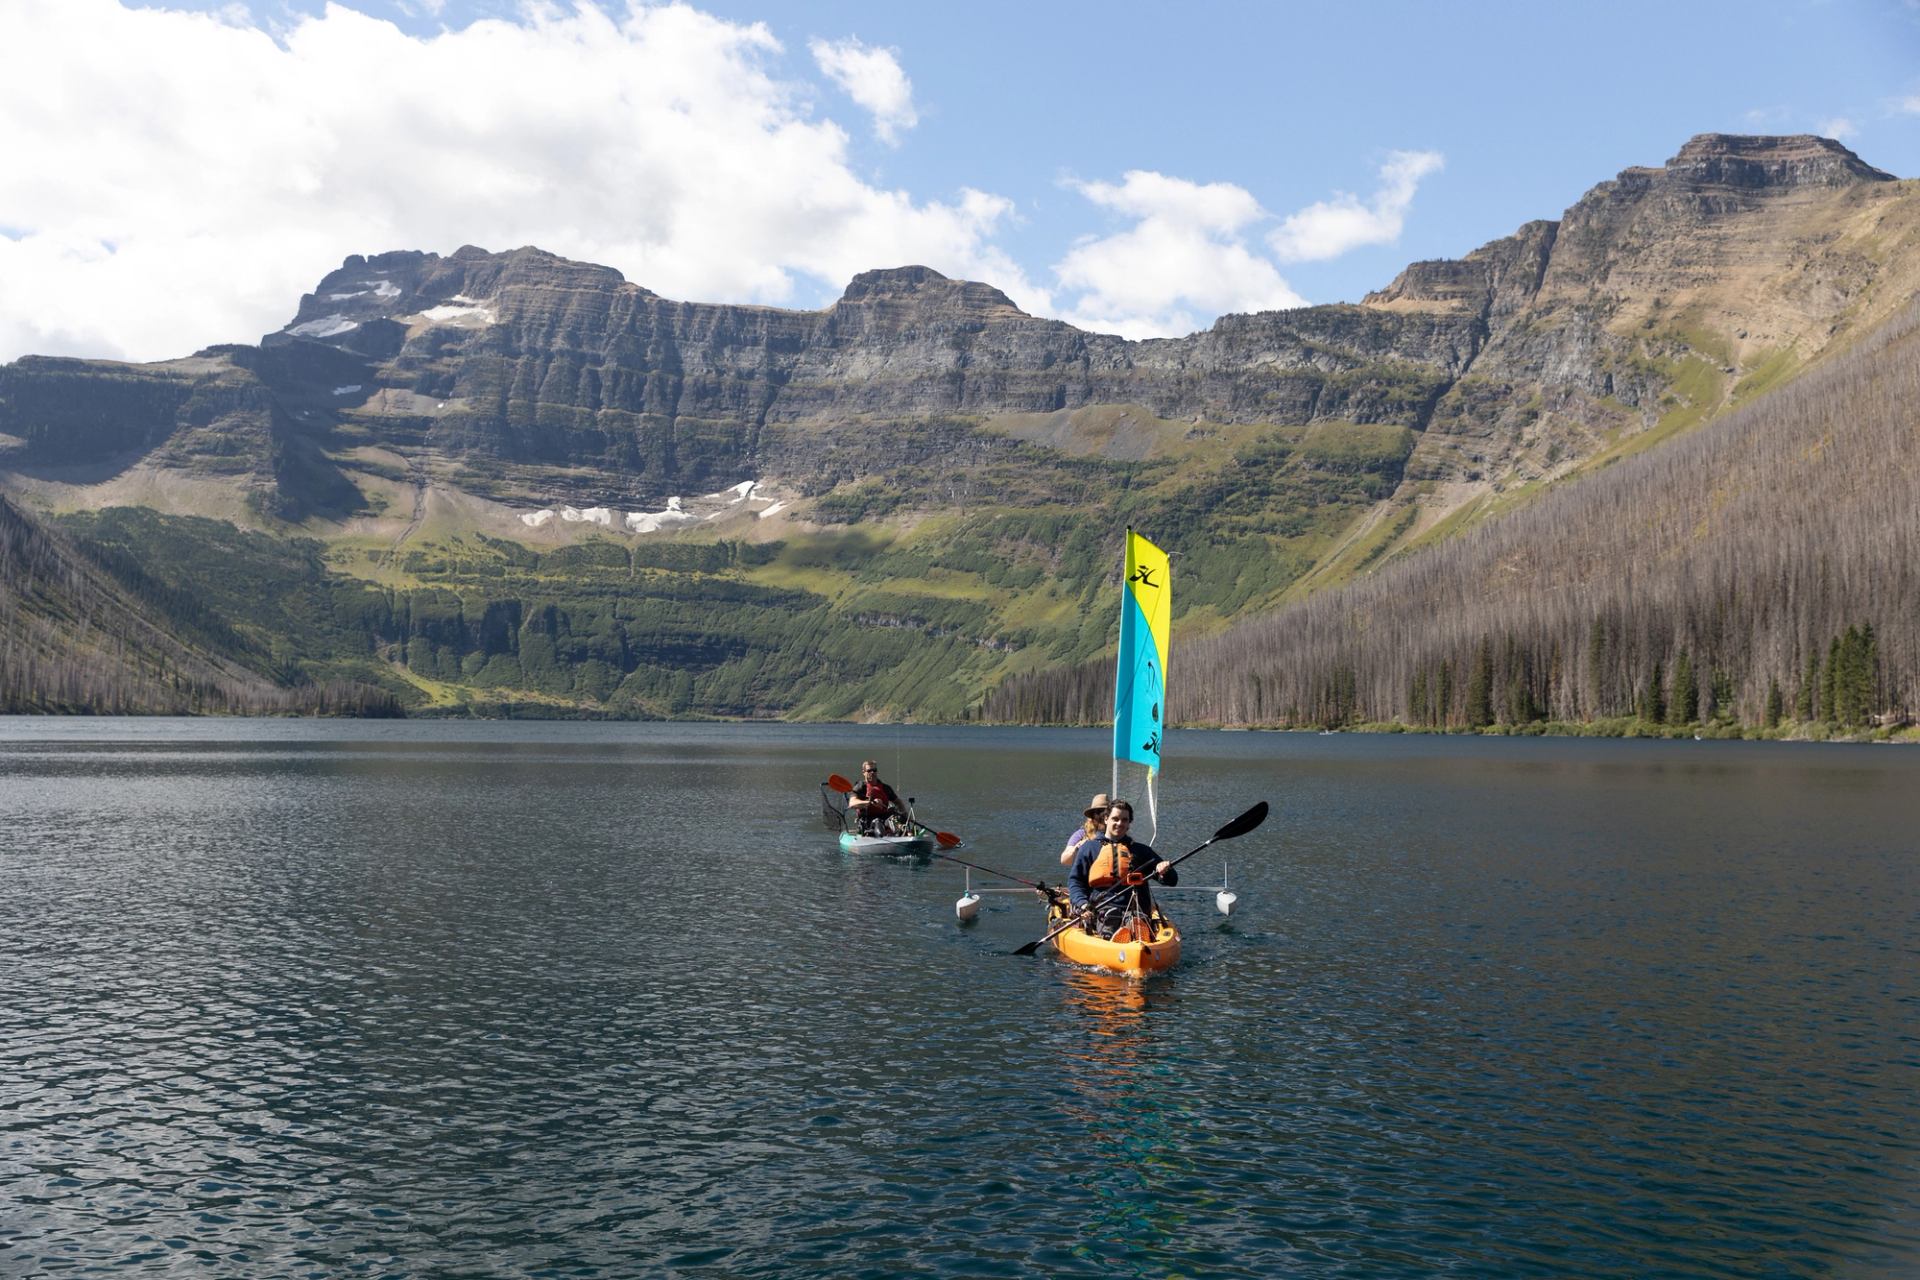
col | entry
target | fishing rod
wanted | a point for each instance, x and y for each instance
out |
(969, 904)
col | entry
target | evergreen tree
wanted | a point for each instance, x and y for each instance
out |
(1685, 707)
(1846, 678)
(1653, 698)
(1869, 672)
(1803, 704)
(1853, 677)
(1480, 689)
(1775, 704)
(1828, 680)
(1597, 658)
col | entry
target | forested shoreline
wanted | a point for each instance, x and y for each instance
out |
(1762, 574)
(76, 640)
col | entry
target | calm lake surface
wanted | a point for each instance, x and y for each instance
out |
(299, 998)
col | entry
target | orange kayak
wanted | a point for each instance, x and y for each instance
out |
(1122, 953)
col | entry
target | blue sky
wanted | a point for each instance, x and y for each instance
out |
(181, 171)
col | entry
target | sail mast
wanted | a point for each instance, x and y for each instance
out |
(1119, 674)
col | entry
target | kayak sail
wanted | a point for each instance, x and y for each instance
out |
(1140, 675)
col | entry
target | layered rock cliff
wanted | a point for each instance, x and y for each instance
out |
(531, 378)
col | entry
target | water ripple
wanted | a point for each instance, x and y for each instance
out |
(521, 1008)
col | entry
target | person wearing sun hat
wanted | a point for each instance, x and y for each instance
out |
(1096, 814)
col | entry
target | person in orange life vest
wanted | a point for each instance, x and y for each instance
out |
(1096, 814)
(874, 802)
(1104, 866)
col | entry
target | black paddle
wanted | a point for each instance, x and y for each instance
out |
(1238, 827)
(946, 839)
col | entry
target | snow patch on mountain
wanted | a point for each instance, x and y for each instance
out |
(324, 327)
(654, 521)
(461, 312)
(712, 506)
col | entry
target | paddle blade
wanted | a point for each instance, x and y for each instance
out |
(947, 839)
(1243, 824)
(839, 783)
(1030, 948)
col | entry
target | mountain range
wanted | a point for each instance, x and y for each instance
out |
(510, 480)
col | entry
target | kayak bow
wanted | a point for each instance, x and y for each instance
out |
(1123, 952)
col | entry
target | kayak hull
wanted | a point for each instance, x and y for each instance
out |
(914, 846)
(1121, 953)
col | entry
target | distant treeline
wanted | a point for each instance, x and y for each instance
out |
(1765, 568)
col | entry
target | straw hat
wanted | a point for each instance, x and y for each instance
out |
(1098, 808)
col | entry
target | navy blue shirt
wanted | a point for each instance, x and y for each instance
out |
(1138, 854)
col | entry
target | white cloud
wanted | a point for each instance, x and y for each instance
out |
(1183, 262)
(1333, 227)
(1839, 128)
(174, 180)
(1910, 105)
(872, 78)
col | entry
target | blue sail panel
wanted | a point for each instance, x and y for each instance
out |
(1140, 688)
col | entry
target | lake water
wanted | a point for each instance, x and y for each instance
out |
(297, 998)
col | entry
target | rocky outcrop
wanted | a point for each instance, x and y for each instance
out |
(1655, 294)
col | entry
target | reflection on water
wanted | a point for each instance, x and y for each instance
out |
(1111, 1003)
(326, 999)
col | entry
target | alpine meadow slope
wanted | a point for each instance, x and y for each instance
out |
(508, 482)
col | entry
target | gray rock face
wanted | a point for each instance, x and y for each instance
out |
(526, 375)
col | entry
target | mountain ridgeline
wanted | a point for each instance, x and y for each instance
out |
(495, 480)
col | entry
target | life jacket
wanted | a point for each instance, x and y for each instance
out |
(877, 790)
(1112, 865)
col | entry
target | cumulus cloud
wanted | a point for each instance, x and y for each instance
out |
(1911, 105)
(872, 78)
(1839, 128)
(1333, 227)
(178, 179)
(1183, 262)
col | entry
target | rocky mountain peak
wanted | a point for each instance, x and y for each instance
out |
(1760, 163)
(924, 286)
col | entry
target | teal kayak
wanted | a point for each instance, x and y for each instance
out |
(914, 846)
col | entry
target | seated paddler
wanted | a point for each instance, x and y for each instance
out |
(1107, 880)
(874, 804)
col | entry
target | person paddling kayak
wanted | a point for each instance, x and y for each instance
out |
(875, 804)
(1115, 868)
